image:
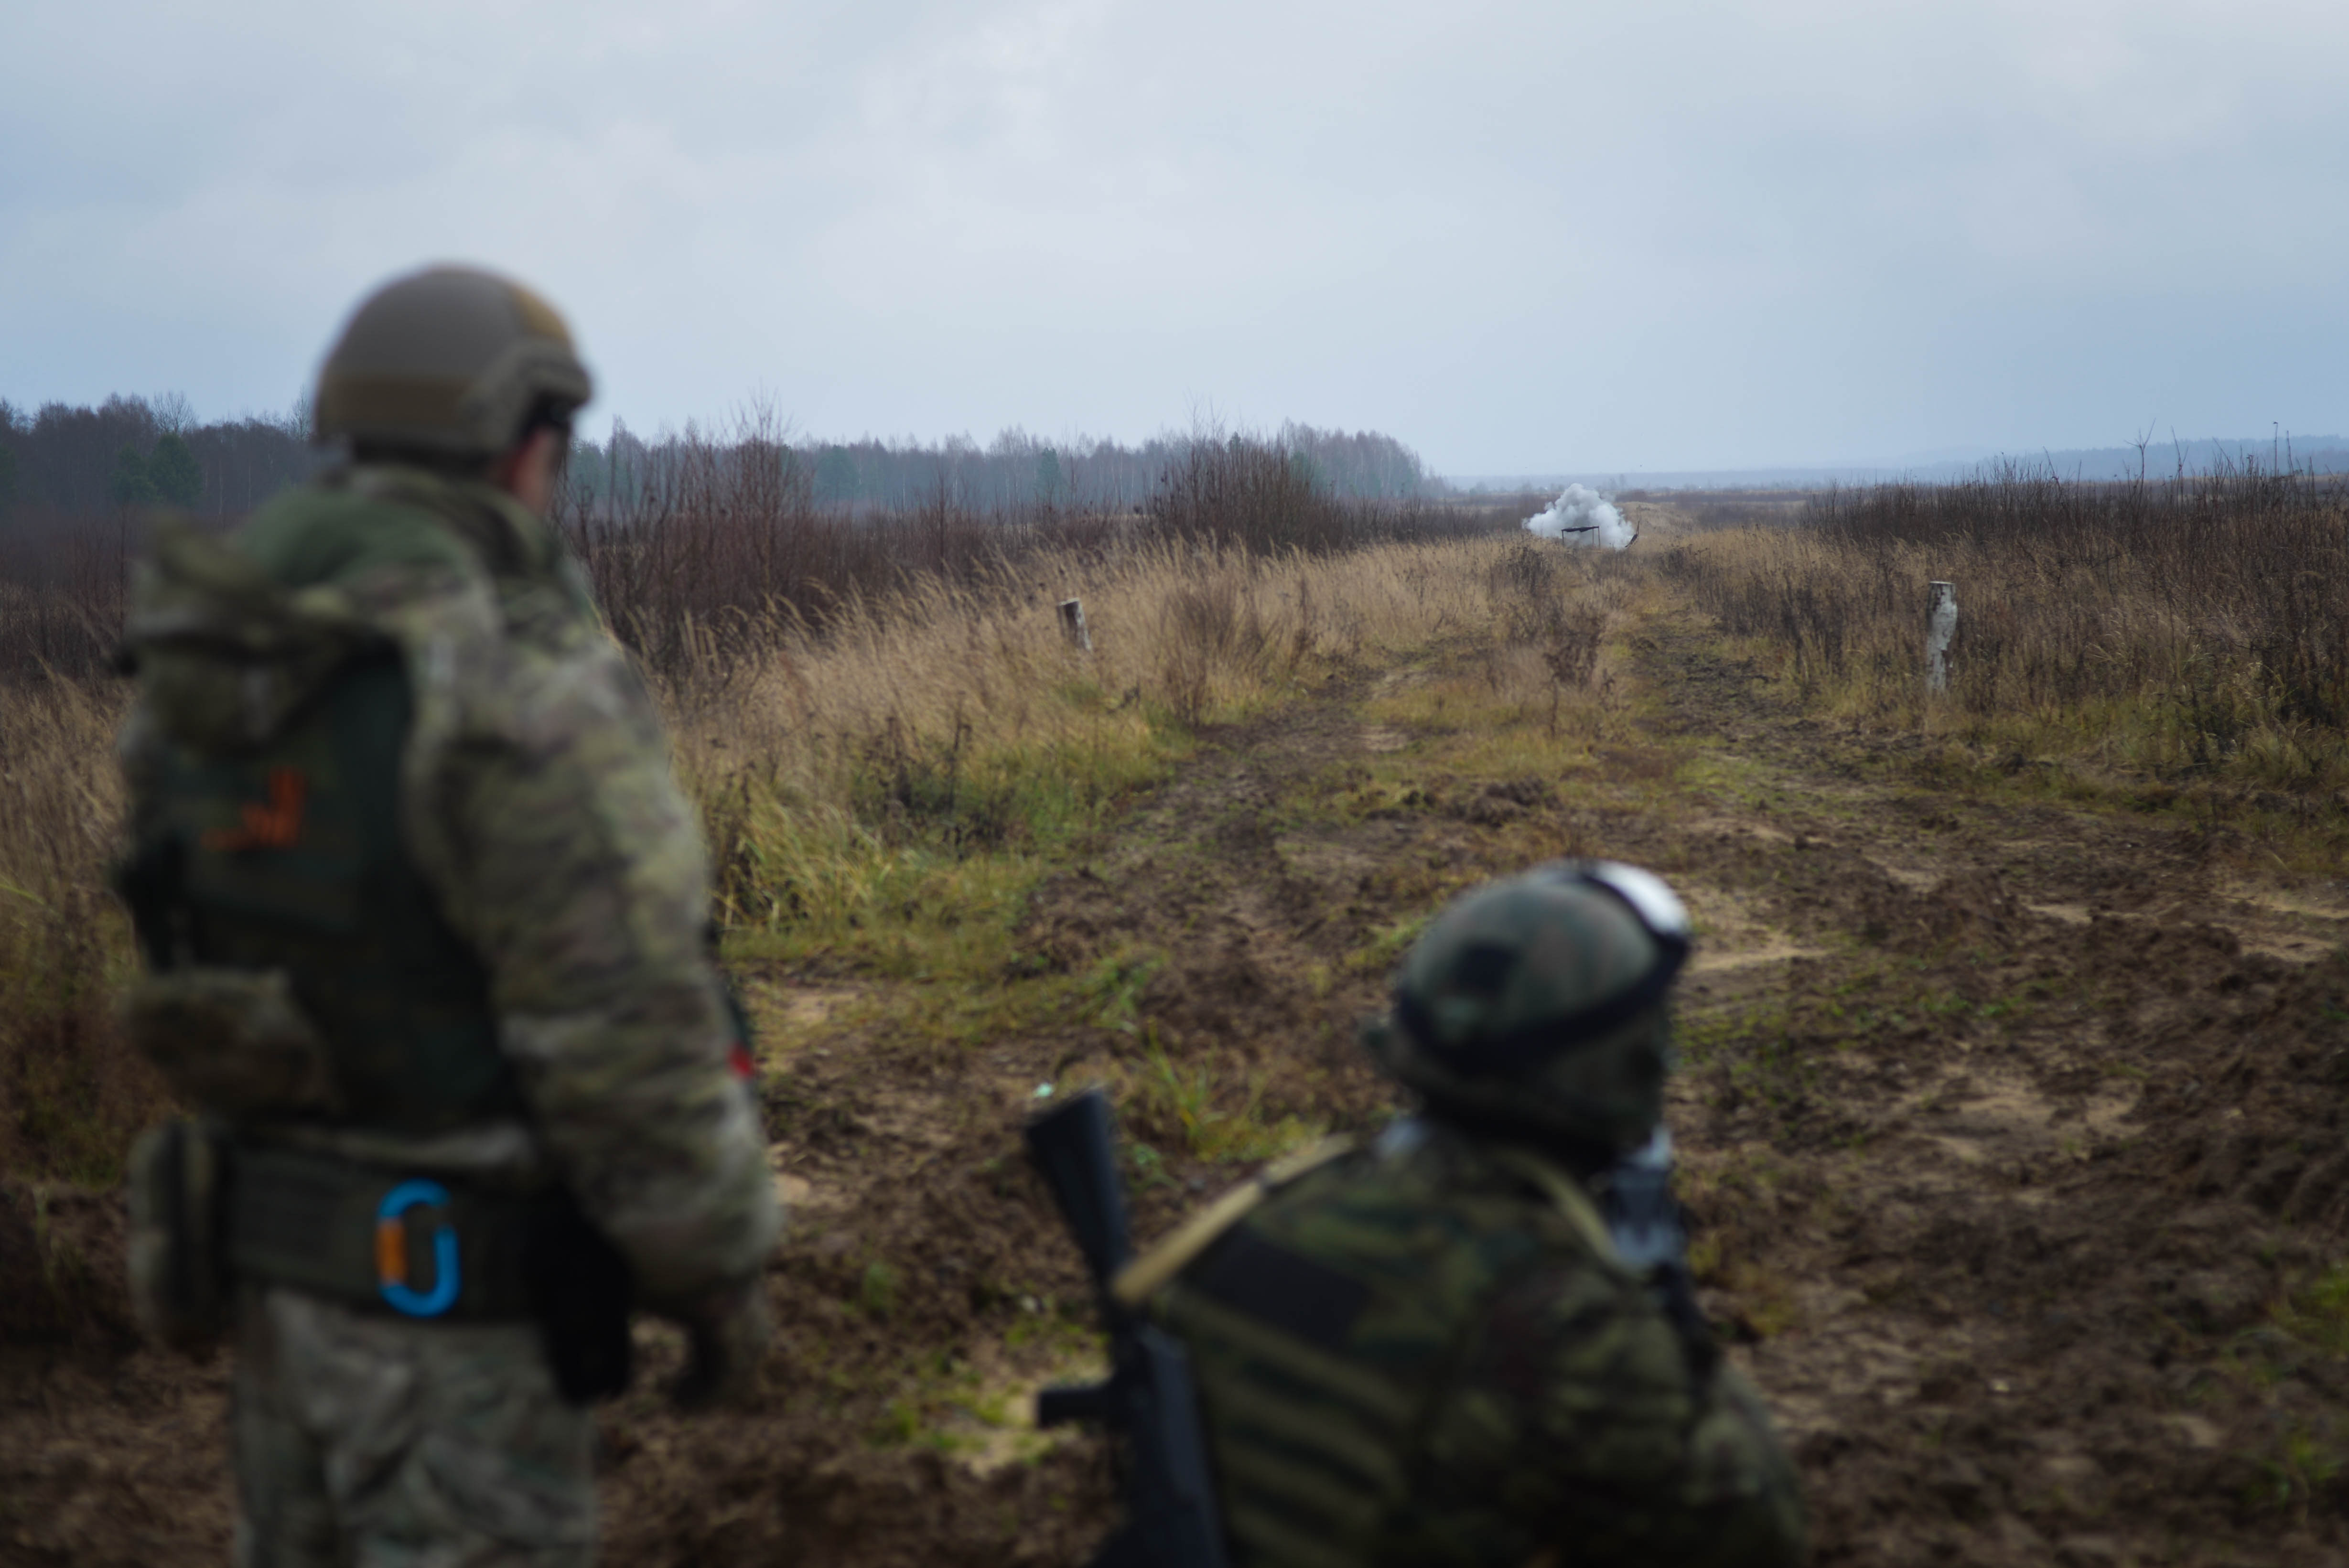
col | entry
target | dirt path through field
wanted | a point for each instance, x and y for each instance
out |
(2012, 1131)
(2009, 1124)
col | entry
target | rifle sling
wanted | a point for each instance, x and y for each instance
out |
(1566, 1195)
(1147, 1274)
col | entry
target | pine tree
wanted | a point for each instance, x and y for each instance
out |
(835, 475)
(172, 473)
(130, 484)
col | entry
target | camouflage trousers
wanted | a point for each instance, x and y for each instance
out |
(366, 1442)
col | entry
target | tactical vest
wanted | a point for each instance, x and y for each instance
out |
(278, 908)
(302, 984)
(1325, 1325)
(289, 858)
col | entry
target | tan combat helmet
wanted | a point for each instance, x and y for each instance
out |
(450, 362)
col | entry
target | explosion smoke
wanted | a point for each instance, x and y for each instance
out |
(1582, 516)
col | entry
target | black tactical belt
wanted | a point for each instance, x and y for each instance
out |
(421, 1247)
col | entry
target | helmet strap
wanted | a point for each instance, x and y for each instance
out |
(1538, 1042)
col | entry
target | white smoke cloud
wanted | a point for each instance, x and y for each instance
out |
(1582, 516)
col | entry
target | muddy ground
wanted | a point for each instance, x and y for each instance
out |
(2010, 1130)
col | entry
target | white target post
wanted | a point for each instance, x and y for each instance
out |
(1941, 627)
(1073, 625)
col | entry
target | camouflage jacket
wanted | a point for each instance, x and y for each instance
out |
(1426, 1353)
(538, 804)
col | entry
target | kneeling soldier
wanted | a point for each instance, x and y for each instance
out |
(1473, 1341)
(423, 912)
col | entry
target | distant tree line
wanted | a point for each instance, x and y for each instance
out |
(127, 452)
(1015, 472)
(64, 461)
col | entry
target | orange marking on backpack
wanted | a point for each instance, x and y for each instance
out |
(274, 826)
(390, 1251)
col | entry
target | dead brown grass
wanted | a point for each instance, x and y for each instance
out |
(888, 788)
(2171, 639)
(71, 1093)
(724, 553)
(882, 790)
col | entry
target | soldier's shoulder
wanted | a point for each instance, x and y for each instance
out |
(337, 532)
(1426, 1193)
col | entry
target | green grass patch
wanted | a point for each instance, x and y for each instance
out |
(72, 1092)
(1705, 1036)
(1190, 1096)
(929, 866)
(1387, 944)
(924, 875)
(1461, 725)
(2305, 1457)
(876, 1290)
(2317, 1313)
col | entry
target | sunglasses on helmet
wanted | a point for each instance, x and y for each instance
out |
(1658, 908)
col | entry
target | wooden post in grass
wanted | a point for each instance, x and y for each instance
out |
(1940, 626)
(1073, 625)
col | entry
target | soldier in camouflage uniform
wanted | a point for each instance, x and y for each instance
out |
(424, 913)
(1437, 1348)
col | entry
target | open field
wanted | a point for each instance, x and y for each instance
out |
(2010, 1108)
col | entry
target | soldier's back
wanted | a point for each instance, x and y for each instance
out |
(1425, 1352)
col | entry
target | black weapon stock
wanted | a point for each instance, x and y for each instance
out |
(1076, 1153)
(1149, 1401)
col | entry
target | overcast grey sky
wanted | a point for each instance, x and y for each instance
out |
(1520, 236)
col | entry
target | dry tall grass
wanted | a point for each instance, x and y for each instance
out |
(875, 710)
(880, 791)
(725, 551)
(888, 788)
(70, 1092)
(2193, 631)
(62, 594)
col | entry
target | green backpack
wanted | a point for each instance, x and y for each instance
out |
(298, 964)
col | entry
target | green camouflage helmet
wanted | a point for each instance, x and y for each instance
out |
(448, 362)
(1541, 1000)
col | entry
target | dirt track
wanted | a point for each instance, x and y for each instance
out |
(2011, 1131)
